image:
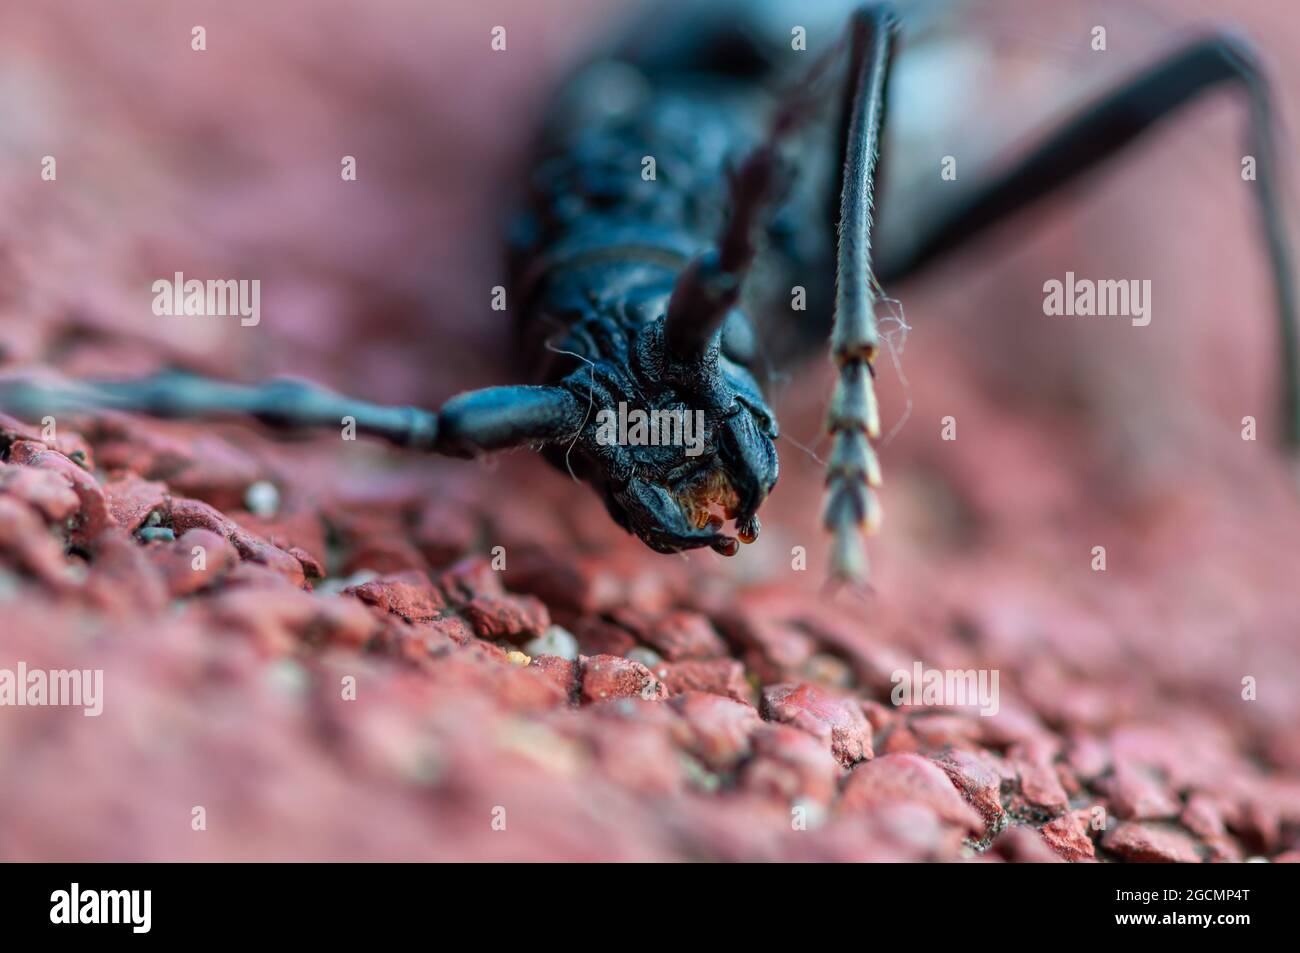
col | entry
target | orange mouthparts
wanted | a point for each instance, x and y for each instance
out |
(710, 500)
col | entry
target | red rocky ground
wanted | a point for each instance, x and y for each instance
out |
(715, 710)
(697, 715)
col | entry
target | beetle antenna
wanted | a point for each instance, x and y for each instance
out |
(711, 284)
(852, 506)
(470, 423)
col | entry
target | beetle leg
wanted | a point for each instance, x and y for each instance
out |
(852, 507)
(1102, 129)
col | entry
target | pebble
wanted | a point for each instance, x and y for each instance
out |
(836, 720)
(262, 498)
(909, 778)
(647, 657)
(557, 641)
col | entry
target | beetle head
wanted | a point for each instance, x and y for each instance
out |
(680, 444)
